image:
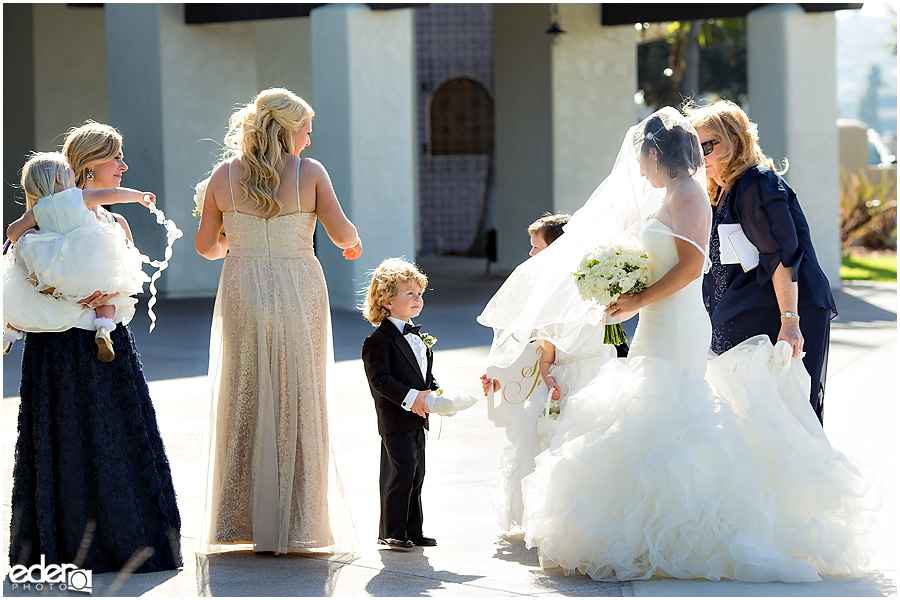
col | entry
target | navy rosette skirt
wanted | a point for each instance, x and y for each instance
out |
(91, 482)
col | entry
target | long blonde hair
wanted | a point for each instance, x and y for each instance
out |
(739, 138)
(39, 176)
(91, 144)
(258, 134)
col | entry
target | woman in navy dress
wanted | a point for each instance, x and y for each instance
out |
(745, 189)
(91, 481)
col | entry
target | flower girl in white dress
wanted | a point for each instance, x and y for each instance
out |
(674, 464)
(78, 249)
(563, 373)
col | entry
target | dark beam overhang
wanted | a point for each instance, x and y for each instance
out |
(199, 14)
(639, 12)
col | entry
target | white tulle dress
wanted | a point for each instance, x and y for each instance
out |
(673, 464)
(75, 253)
(572, 370)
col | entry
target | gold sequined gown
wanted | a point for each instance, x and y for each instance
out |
(268, 452)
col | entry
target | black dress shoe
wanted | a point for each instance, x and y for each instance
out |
(424, 541)
(396, 544)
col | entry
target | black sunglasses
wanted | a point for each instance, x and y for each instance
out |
(708, 146)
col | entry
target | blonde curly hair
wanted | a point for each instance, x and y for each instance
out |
(385, 284)
(258, 134)
(738, 137)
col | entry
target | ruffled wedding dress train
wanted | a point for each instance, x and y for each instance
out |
(677, 465)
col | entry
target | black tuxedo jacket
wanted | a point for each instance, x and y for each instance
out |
(392, 369)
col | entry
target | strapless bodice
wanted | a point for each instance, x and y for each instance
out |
(675, 327)
(659, 243)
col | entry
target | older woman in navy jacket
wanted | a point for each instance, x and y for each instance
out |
(769, 299)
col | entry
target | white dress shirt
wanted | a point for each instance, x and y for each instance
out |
(421, 352)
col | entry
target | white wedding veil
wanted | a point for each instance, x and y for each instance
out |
(539, 300)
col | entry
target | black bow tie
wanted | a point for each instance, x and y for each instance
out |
(407, 328)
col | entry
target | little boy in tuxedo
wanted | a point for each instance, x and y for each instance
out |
(398, 361)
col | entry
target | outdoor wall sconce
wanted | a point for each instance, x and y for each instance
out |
(555, 31)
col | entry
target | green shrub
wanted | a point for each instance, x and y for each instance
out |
(869, 209)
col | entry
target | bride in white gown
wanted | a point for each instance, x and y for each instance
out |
(675, 464)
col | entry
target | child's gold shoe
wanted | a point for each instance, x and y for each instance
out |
(104, 343)
(6, 347)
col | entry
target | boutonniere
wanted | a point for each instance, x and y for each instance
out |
(428, 339)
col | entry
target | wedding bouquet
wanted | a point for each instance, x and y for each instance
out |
(199, 195)
(606, 272)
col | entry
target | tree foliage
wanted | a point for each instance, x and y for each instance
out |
(692, 59)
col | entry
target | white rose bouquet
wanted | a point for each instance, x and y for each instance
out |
(199, 195)
(606, 272)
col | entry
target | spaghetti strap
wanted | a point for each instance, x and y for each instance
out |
(231, 189)
(299, 162)
(707, 263)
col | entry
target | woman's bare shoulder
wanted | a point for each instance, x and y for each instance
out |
(220, 171)
(312, 168)
(689, 195)
(219, 176)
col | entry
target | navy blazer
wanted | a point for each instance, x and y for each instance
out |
(392, 369)
(768, 211)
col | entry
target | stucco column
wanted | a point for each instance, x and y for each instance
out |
(593, 82)
(134, 85)
(793, 98)
(18, 105)
(363, 75)
(561, 111)
(284, 59)
(171, 90)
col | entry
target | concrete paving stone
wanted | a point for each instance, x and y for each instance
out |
(873, 584)
(427, 582)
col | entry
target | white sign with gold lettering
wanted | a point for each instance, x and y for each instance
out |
(518, 382)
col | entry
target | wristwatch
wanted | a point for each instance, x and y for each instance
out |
(789, 315)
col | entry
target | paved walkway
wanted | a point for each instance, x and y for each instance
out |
(474, 557)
